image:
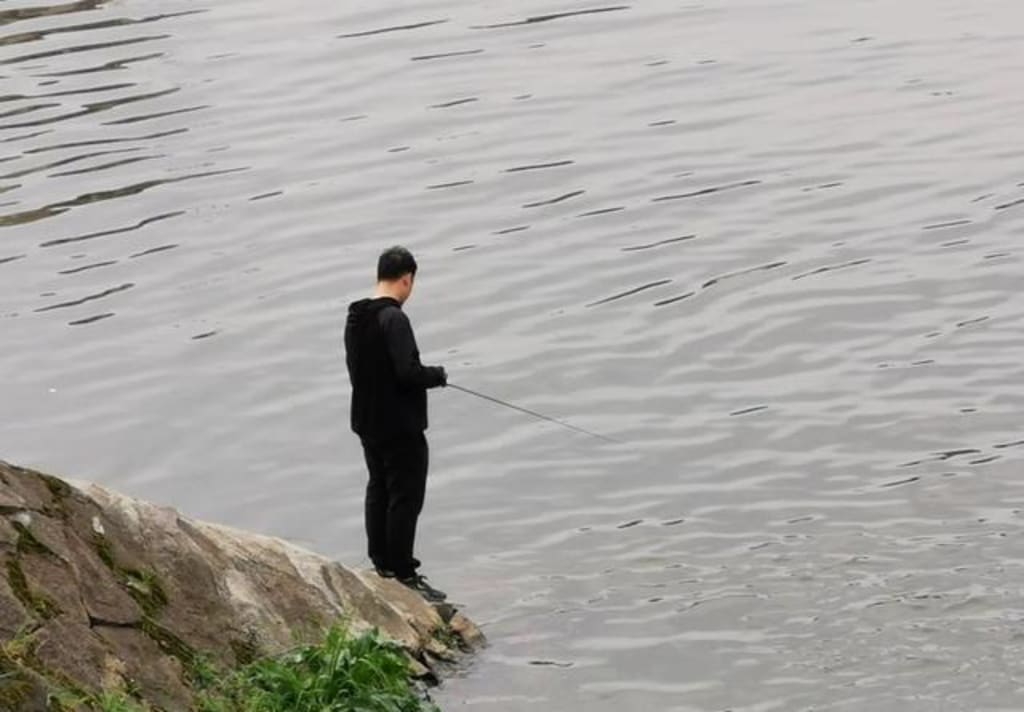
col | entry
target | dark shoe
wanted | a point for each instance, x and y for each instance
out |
(419, 584)
(384, 573)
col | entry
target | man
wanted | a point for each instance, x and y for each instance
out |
(389, 414)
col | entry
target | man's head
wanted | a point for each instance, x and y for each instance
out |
(396, 272)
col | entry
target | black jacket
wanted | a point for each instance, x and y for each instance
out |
(389, 384)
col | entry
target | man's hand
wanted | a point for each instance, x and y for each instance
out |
(444, 376)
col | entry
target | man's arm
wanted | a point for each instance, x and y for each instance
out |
(406, 356)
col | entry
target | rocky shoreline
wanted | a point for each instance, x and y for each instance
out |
(102, 592)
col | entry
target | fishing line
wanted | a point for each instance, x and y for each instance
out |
(534, 414)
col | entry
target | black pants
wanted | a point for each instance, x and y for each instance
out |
(394, 499)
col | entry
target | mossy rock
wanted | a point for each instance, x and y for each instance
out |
(39, 604)
(143, 586)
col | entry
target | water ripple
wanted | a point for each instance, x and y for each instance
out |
(80, 48)
(396, 28)
(117, 231)
(535, 19)
(90, 298)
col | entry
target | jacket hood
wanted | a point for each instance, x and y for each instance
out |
(360, 309)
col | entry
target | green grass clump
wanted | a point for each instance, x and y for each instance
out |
(345, 673)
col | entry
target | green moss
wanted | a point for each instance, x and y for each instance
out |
(146, 589)
(67, 701)
(104, 550)
(143, 586)
(169, 642)
(9, 658)
(20, 649)
(28, 543)
(201, 673)
(40, 604)
(60, 489)
(15, 689)
(246, 650)
(21, 682)
(448, 638)
(17, 662)
(16, 579)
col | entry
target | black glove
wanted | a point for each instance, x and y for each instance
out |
(442, 376)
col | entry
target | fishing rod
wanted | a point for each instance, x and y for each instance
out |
(533, 413)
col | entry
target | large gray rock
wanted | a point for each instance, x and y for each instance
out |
(102, 591)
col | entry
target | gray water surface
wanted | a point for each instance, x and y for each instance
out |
(774, 247)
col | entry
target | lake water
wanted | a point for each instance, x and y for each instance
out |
(774, 247)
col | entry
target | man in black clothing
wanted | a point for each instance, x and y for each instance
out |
(389, 414)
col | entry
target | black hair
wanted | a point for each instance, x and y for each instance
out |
(395, 263)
